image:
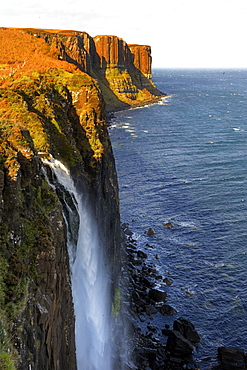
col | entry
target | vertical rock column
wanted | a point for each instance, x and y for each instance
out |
(142, 58)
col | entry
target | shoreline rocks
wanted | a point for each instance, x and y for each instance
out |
(153, 346)
(231, 358)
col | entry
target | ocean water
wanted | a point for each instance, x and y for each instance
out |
(184, 161)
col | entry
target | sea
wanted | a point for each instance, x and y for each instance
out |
(183, 161)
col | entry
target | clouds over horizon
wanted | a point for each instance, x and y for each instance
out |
(189, 33)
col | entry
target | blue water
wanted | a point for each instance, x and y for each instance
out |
(184, 161)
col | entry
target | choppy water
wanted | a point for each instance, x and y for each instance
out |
(185, 161)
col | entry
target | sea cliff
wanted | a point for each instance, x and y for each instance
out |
(55, 90)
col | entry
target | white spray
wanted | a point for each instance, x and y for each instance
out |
(90, 281)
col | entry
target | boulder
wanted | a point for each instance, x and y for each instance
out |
(148, 282)
(151, 231)
(178, 346)
(231, 358)
(166, 330)
(128, 232)
(168, 225)
(151, 310)
(141, 254)
(167, 281)
(187, 329)
(166, 309)
(157, 295)
(147, 353)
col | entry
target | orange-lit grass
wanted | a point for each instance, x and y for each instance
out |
(22, 53)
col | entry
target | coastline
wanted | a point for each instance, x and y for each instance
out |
(221, 358)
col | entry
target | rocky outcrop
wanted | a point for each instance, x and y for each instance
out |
(142, 59)
(113, 52)
(126, 70)
(187, 329)
(231, 358)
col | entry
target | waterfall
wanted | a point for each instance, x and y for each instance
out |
(89, 277)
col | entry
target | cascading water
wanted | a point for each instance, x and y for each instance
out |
(90, 280)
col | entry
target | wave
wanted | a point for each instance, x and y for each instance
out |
(237, 129)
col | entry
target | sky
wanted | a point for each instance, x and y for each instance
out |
(181, 33)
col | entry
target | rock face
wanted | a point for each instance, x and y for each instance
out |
(123, 71)
(35, 285)
(112, 52)
(142, 58)
(48, 106)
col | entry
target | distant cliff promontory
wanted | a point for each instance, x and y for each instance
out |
(122, 71)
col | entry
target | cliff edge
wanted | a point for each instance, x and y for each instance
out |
(122, 71)
(55, 88)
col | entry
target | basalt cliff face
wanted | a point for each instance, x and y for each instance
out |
(123, 71)
(55, 88)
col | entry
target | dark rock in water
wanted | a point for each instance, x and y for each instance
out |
(187, 329)
(150, 310)
(231, 358)
(152, 270)
(130, 248)
(166, 331)
(141, 254)
(152, 328)
(178, 346)
(167, 281)
(147, 353)
(166, 309)
(157, 295)
(148, 282)
(158, 277)
(168, 225)
(136, 262)
(128, 232)
(151, 231)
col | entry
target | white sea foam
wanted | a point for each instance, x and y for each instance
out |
(237, 129)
